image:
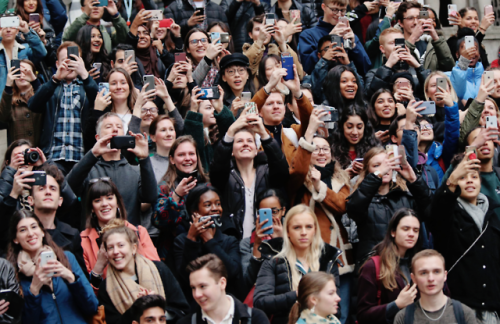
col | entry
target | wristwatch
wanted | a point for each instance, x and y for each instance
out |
(378, 174)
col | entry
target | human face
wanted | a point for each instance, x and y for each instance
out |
(20, 151)
(144, 37)
(8, 34)
(30, 6)
(406, 234)
(489, 110)
(165, 134)
(433, 17)
(271, 65)
(244, 146)
(118, 86)
(180, 81)
(209, 204)
(29, 235)
(22, 81)
(301, 230)
(410, 21)
(376, 163)
(385, 107)
(105, 208)
(485, 152)
(354, 129)
(95, 12)
(238, 79)
(429, 275)
(160, 32)
(470, 20)
(207, 110)
(154, 315)
(426, 134)
(198, 50)
(46, 198)
(348, 85)
(150, 113)
(332, 12)
(326, 302)
(207, 291)
(111, 125)
(96, 41)
(389, 43)
(119, 59)
(274, 204)
(254, 35)
(475, 58)
(308, 94)
(185, 158)
(432, 89)
(470, 186)
(273, 110)
(120, 251)
(322, 155)
(217, 29)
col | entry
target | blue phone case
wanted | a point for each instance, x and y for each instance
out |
(287, 63)
(266, 213)
(214, 36)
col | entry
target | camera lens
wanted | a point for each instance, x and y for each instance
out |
(31, 157)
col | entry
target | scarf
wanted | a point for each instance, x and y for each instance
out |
(27, 265)
(326, 173)
(309, 317)
(123, 290)
(476, 212)
(148, 58)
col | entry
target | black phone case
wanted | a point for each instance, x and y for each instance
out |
(16, 64)
(16, 302)
(215, 92)
(122, 142)
(73, 50)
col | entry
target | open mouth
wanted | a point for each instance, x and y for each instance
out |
(105, 211)
(33, 241)
(470, 188)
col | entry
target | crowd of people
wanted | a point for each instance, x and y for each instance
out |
(327, 161)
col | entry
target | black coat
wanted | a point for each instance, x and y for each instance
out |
(271, 172)
(475, 279)
(307, 16)
(176, 303)
(273, 291)
(372, 212)
(9, 281)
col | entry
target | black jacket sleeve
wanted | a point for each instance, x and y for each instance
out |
(376, 79)
(173, 292)
(276, 160)
(148, 190)
(80, 171)
(220, 168)
(422, 195)
(361, 198)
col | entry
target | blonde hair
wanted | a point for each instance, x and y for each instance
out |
(288, 251)
(454, 96)
(118, 226)
(388, 31)
(494, 104)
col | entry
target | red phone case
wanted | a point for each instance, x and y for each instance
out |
(166, 23)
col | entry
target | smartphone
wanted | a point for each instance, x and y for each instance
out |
(10, 21)
(472, 149)
(214, 36)
(102, 3)
(333, 114)
(40, 178)
(45, 257)
(246, 97)
(34, 17)
(400, 42)
(403, 84)
(155, 15)
(391, 150)
(266, 214)
(215, 218)
(127, 54)
(270, 19)
(359, 160)
(489, 75)
(488, 9)
(180, 57)
(150, 80)
(16, 64)
(430, 108)
(441, 82)
(97, 66)
(253, 108)
(402, 154)
(166, 23)
(201, 11)
(338, 40)
(424, 14)
(73, 50)
(469, 42)
(210, 93)
(193, 174)
(105, 86)
(224, 38)
(491, 121)
(122, 142)
(344, 20)
(287, 63)
(295, 14)
(452, 10)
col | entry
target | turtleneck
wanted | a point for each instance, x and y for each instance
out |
(160, 165)
(275, 131)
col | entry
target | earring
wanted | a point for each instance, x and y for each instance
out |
(93, 215)
(118, 211)
(313, 309)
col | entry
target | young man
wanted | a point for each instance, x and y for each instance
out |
(149, 309)
(136, 184)
(92, 15)
(69, 97)
(208, 280)
(282, 10)
(428, 272)
(429, 49)
(117, 58)
(329, 25)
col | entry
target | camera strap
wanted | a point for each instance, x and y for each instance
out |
(470, 247)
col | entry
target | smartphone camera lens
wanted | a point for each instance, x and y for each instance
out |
(31, 157)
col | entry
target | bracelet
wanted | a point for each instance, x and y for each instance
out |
(267, 93)
(177, 194)
(93, 274)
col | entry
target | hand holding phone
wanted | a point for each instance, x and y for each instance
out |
(45, 257)
(266, 214)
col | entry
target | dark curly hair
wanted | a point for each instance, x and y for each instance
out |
(331, 87)
(340, 147)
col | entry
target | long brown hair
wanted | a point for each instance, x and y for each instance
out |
(10, 149)
(132, 97)
(98, 189)
(17, 97)
(310, 284)
(171, 174)
(25, 16)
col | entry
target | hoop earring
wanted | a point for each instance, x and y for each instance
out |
(93, 215)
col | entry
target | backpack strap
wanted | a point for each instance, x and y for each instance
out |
(193, 318)
(410, 313)
(376, 261)
(459, 311)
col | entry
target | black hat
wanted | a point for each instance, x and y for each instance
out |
(234, 59)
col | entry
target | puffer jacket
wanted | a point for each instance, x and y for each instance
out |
(181, 10)
(273, 291)
(466, 80)
(372, 211)
(307, 16)
(271, 172)
(9, 281)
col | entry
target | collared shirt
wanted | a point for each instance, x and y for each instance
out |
(228, 319)
(67, 143)
(15, 51)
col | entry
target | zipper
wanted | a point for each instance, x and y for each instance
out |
(57, 307)
(269, 245)
(332, 262)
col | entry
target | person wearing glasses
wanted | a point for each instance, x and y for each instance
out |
(432, 48)
(235, 78)
(329, 25)
(104, 204)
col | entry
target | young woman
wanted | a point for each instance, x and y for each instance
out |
(22, 122)
(353, 138)
(53, 291)
(221, 27)
(317, 300)
(180, 83)
(403, 88)
(376, 197)
(382, 111)
(381, 295)
(205, 236)
(130, 276)
(104, 204)
(167, 38)
(266, 67)
(235, 77)
(91, 42)
(351, 90)
(162, 132)
(302, 251)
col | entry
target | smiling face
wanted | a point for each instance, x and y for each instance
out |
(150, 113)
(236, 77)
(426, 131)
(209, 204)
(207, 291)
(165, 134)
(144, 37)
(185, 158)
(207, 110)
(385, 106)
(375, 164)
(332, 16)
(198, 50)
(485, 152)
(46, 198)
(326, 302)
(29, 235)
(301, 230)
(118, 86)
(30, 6)
(348, 85)
(105, 208)
(120, 251)
(271, 65)
(429, 275)
(471, 20)
(354, 129)
(470, 186)
(161, 32)
(244, 146)
(322, 155)
(96, 41)
(273, 110)
(111, 125)
(406, 234)
(489, 110)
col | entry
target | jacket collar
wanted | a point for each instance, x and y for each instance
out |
(324, 25)
(15, 48)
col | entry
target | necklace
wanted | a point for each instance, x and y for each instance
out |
(435, 319)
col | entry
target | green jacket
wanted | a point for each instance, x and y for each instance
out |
(372, 46)
(118, 33)
(438, 55)
(471, 119)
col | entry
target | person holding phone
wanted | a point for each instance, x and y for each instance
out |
(385, 284)
(351, 88)
(235, 77)
(382, 111)
(205, 236)
(51, 291)
(90, 40)
(180, 84)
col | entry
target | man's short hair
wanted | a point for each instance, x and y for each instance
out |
(66, 45)
(405, 6)
(101, 119)
(337, 2)
(322, 40)
(258, 19)
(211, 262)
(119, 47)
(146, 302)
(426, 254)
(54, 172)
(385, 32)
(393, 128)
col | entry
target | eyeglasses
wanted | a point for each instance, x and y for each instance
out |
(426, 126)
(240, 71)
(337, 11)
(202, 40)
(412, 18)
(276, 211)
(325, 150)
(145, 111)
(103, 179)
(306, 86)
(415, 127)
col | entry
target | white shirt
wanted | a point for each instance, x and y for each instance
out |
(228, 319)
(248, 218)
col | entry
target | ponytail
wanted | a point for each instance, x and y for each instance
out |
(294, 313)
